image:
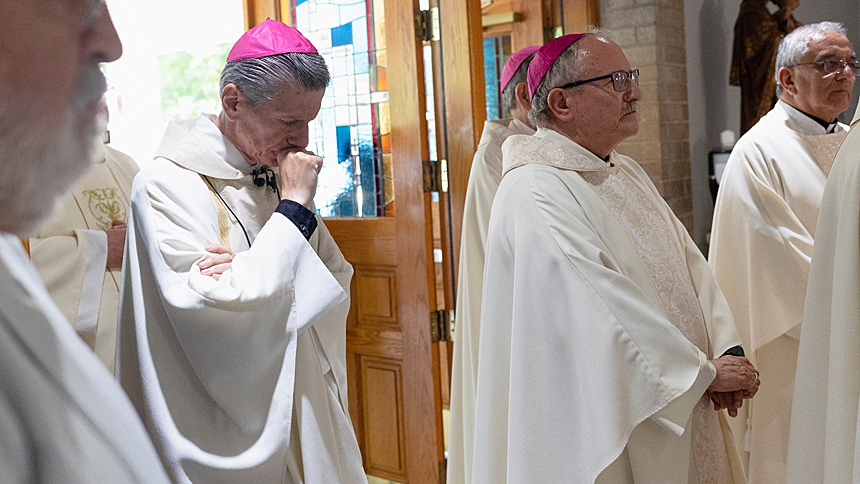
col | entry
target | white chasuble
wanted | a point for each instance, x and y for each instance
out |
(241, 379)
(599, 318)
(63, 418)
(70, 251)
(484, 180)
(761, 247)
(823, 444)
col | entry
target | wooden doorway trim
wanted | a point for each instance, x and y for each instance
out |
(577, 15)
(414, 239)
(257, 11)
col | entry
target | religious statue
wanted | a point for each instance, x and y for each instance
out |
(757, 36)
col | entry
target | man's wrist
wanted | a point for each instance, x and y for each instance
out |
(304, 219)
(734, 351)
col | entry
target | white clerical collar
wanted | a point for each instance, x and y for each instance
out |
(520, 127)
(805, 123)
(217, 142)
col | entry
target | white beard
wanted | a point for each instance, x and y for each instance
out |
(43, 154)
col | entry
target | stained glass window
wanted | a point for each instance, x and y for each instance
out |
(353, 129)
(496, 52)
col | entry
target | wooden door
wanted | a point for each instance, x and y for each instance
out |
(394, 382)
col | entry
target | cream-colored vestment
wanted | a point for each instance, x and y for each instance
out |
(823, 445)
(483, 182)
(70, 251)
(240, 380)
(63, 418)
(761, 247)
(599, 318)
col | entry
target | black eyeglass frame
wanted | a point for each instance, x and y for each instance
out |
(842, 63)
(634, 75)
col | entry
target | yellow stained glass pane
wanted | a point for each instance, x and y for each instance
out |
(388, 178)
(384, 118)
(379, 33)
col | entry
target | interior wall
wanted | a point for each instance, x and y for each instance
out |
(714, 105)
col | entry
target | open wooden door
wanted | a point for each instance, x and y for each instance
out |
(393, 370)
(372, 131)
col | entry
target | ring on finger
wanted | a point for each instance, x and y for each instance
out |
(756, 379)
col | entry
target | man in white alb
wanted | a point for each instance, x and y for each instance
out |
(241, 378)
(78, 251)
(824, 442)
(63, 418)
(606, 346)
(483, 182)
(764, 226)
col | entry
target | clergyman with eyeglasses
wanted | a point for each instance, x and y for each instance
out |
(764, 225)
(606, 347)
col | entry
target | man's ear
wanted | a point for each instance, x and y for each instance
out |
(231, 99)
(786, 80)
(557, 102)
(521, 93)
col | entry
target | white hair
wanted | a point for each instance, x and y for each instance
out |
(44, 153)
(262, 79)
(795, 45)
(566, 69)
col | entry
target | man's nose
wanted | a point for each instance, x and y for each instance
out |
(633, 92)
(100, 41)
(298, 136)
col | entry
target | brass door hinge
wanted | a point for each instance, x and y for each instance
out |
(427, 24)
(435, 176)
(441, 325)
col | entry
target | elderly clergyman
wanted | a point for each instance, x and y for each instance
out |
(764, 226)
(483, 182)
(234, 300)
(63, 419)
(606, 346)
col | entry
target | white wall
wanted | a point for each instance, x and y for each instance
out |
(714, 105)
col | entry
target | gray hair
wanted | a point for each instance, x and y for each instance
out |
(262, 79)
(509, 93)
(795, 45)
(567, 68)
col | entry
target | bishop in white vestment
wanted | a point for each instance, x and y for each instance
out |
(764, 229)
(70, 251)
(484, 180)
(242, 378)
(603, 330)
(824, 441)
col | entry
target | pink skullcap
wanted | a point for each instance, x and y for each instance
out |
(546, 57)
(513, 63)
(270, 38)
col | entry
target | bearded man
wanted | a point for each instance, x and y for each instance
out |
(606, 346)
(63, 419)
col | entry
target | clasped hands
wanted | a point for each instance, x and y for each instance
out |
(736, 380)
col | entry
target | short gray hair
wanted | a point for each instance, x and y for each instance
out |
(509, 93)
(263, 79)
(795, 45)
(567, 68)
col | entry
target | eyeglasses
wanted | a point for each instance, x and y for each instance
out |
(831, 66)
(619, 80)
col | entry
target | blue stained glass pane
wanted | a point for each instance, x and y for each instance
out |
(299, 2)
(345, 208)
(367, 163)
(359, 35)
(491, 77)
(362, 63)
(341, 35)
(342, 144)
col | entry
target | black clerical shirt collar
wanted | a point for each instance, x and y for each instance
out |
(828, 127)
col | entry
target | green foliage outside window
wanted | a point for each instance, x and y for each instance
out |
(189, 81)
